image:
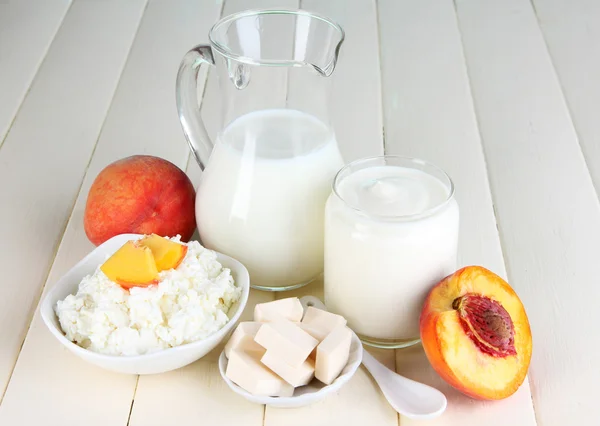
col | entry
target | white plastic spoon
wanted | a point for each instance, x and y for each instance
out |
(409, 398)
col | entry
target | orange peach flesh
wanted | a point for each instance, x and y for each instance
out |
(455, 349)
(167, 254)
(131, 265)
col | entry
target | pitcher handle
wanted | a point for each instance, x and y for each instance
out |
(187, 102)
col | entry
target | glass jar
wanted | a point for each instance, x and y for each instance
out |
(391, 233)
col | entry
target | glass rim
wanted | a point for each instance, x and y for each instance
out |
(227, 52)
(407, 217)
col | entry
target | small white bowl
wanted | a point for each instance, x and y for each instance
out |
(157, 362)
(304, 395)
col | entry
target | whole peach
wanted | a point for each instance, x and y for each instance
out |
(140, 194)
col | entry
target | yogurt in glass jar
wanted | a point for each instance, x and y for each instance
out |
(391, 233)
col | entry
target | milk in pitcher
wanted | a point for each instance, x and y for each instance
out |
(262, 196)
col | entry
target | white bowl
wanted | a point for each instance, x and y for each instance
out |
(304, 395)
(157, 362)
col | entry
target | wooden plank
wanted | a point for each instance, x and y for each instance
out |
(571, 29)
(197, 392)
(27, 28)
(547, 209)
(145, 98)
(43, 161)
(429, 114)
(357, 120)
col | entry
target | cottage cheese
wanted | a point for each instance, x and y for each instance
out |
(189, 303)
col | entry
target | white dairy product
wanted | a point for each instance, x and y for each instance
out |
(322, 322)
(262, 196)
(243, 336)
(245, 369)
(289, 308)
(295, 376)
(287, 341)
(332, 354)
(390, 235)
(189, 303)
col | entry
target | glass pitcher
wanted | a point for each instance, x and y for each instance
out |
(268, 174)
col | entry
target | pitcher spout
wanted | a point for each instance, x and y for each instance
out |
(331, 54)
(322, 56)
(315, 41)
(327, 69)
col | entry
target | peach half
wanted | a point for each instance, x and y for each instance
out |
(132, 265)
(167, 254)
(476, 334)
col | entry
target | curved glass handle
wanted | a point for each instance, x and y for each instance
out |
(187, 102)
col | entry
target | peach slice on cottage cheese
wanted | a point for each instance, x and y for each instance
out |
(132, 265)
(167, 254)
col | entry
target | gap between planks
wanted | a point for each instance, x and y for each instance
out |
(18, 110)
(382, 102)
(383, 139)
(66, 223)
(565, 98)
(137, 381)
(505, 260)
(191, 155)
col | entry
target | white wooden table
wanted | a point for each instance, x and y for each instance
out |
(503, 94)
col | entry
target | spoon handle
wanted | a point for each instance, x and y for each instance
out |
(376, 368)
(408, 397)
